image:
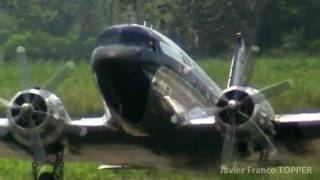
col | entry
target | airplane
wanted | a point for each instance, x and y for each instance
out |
(161, 111)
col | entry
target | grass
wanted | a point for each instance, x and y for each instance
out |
(81, 97)
(304, 71)
(78, 91)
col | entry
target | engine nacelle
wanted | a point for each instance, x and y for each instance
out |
(36, 110)
(247, 111)
(245, 103)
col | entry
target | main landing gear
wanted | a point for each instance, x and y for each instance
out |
(52, 171)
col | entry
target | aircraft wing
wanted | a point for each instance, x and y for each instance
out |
(305, 119)
(97, 121)
(81, 122)
(10, 148)
(305, 124)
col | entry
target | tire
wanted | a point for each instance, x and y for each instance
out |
(46, 176)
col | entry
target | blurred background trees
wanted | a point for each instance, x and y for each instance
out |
(68, 29)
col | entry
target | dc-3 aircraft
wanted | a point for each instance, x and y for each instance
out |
(161, 111)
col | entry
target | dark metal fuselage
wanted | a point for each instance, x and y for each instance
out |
(146, 79)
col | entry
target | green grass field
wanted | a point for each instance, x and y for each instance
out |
(80, 96)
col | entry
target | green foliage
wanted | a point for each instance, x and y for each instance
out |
(8, 25)
(14, 41)
(314, 47)
(286, 23)
(67, 29)
(39, 45)
(294, 41)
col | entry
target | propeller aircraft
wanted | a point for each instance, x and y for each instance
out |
(161, 111)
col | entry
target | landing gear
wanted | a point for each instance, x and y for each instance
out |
(263, 158)
(264, 155)
(49, 171)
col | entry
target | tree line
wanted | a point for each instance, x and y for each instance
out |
(62, 29)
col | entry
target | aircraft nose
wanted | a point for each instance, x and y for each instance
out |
(114, 53)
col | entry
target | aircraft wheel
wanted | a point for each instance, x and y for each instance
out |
(46, 176)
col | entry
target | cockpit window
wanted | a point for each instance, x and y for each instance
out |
(129, 36)
(172, 50)
(107, 38)
(137, 38)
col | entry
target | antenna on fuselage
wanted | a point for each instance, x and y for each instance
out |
(145, 23)
(150, 16)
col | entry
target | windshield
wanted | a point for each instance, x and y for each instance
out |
(136, 37)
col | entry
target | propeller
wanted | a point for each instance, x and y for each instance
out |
(273, 90)
(22, 64)
(5, 103)
(23, 67)
(59, 76)
(37, 147)
(27, 109)
(237, 107)
(53, 83)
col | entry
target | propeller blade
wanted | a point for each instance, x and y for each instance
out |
(248, 71)
(56, 79)
(59, 76)
(238, 63)
(276, 89)
(75, 130)
(23, 67)
(228, 147)
(36, 145)
(271, 147)
(272, 150)
(5, 103)
(271, 91)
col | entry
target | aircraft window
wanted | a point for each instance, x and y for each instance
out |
(109, 38)
(137, 38)
(171, 52)
(183, 56)
(186, 60)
